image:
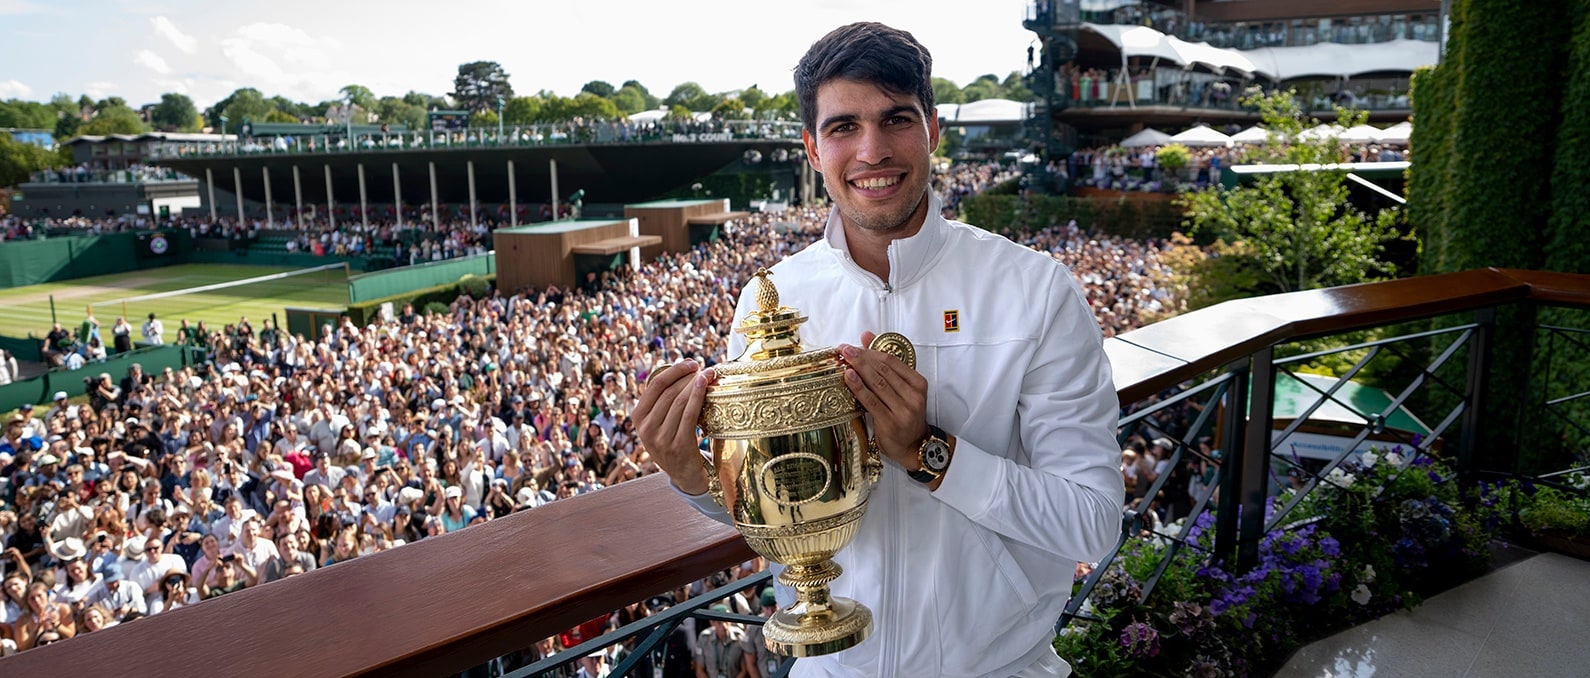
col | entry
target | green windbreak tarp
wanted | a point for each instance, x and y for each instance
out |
(31, 262)
(395, 281)
(39, 389)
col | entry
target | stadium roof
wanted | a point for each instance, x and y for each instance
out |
(1322, 60)
(1142, 41)
(1332, 60)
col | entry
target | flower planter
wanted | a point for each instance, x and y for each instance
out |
(1565, 543)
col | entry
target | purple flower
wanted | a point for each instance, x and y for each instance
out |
(1330, 547)
(1140, 640)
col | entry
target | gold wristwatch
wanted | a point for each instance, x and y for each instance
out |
(933, 456)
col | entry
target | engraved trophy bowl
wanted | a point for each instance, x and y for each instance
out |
(791, 463)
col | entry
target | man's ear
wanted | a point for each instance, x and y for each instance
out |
(811, 150)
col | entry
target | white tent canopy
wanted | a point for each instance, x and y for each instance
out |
(988, 111)
(649, 116)
(1148, 137)
(1252, 135)
(1142, 41)
(1396, 134)
(1360, 134)
(1323, 132)
(1329, 59)
(1201, 136)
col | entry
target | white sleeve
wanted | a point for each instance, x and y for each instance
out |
(1067, 501)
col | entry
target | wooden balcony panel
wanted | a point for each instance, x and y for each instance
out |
(427, 608)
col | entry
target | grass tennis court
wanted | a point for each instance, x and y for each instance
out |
(26, 310)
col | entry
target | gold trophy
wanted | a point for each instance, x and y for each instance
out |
(792, 465)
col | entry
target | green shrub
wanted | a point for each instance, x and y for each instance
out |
(436, 308)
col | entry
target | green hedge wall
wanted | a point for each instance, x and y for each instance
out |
(1568, 237)
(1430, 175)
(1123, 217)
(1507, 110)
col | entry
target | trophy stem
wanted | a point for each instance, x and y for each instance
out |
(818, 623)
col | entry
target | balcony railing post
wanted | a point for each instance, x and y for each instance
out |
(1232, 449)
(1246, 453)
(1474, 392)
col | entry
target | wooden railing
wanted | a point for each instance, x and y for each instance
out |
(444, 604)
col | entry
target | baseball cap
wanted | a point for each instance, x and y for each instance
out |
(60, 395)
(48, 460)
(26, 406)
(454, 491)
(112, 571)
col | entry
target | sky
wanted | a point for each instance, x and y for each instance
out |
(307, 51)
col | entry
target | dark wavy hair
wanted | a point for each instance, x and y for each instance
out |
(866, 52)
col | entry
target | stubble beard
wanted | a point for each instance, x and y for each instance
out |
(883, 222)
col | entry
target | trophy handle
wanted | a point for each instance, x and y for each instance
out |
(714, 486)
(874, 461)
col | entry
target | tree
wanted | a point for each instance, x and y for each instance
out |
(480, 84)
(590, 106)
(691, 96)
(1296, 229)
(66, 127)
(1015, 88)
(629, 100)
(600, 88)
(175, 113)
(984, 87)
(280, 116)
(26, 115)
(947, 92)
(651, 101)
(358, 95)
(18, 159)
(109, 102)
(395, 111)
(245, 102)
(729, 109)
(522, 111)
(753, 97)
(484, 119)
(114, 120)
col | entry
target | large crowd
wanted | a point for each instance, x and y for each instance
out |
(283, 454)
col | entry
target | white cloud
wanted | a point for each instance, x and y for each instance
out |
(19, 7)
(278, 57)
(169, 31)
(152, 61)
(10, 89)
(99, 89)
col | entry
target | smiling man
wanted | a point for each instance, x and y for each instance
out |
(1003, 466)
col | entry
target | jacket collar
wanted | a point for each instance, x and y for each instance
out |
(908, 257)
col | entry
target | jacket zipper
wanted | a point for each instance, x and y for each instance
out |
(894, 549)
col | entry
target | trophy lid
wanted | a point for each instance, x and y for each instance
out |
(787, 383)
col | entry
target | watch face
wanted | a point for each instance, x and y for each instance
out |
(936, 455)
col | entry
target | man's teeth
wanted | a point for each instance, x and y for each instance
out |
(877, 182)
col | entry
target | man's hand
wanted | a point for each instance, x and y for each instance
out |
(667, 413)
(894, 395)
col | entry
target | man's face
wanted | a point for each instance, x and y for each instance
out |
(873, 147)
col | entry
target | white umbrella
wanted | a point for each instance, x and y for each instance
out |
(1360, 134)
(1201, 136)
(1252, 135)
(1148, 137)
(1322, 132)
(1396, 134)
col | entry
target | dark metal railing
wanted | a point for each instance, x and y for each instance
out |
(452, 603)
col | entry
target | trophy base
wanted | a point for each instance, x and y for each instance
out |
(793, 632)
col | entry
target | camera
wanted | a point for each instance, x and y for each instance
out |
(229, 557)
